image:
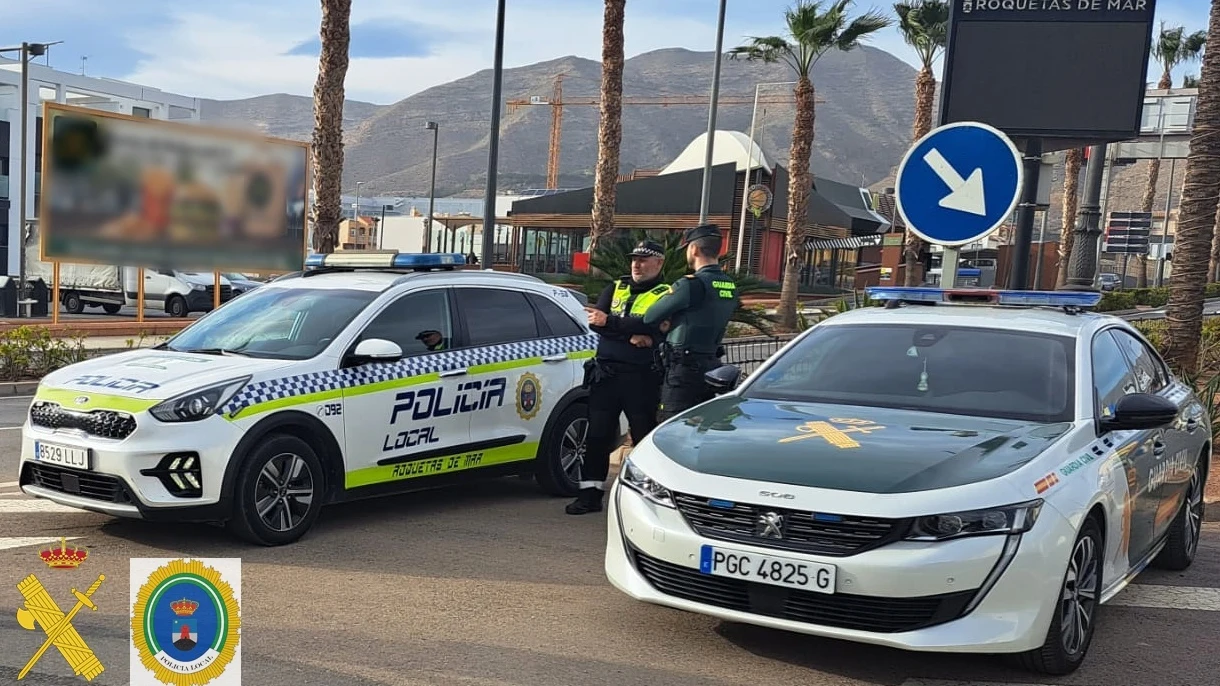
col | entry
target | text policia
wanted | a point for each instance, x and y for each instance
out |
(417, 405)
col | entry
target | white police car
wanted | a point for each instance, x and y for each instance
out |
(937, 478)
(369, 373)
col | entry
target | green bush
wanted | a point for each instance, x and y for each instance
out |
(31, 352)
(1115, 301)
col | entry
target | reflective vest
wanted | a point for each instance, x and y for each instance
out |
(643, 301)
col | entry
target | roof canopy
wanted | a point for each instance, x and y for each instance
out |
(727, 147)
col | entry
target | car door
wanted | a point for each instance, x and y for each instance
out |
(1113, 378)
(558, 323)
(408, 419)
(505, 335)
(1172, 445)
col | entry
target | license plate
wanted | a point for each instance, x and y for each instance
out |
(62, 455)
(766, 569)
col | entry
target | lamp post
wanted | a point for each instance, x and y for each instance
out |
(711, 118)
(493, 147)
(741, 229)
(435, 128)
(356, 207)
(381, 227)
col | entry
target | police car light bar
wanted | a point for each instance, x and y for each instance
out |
(384, 259)
(1081, 299)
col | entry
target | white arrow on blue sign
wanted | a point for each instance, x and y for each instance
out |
(958, 183)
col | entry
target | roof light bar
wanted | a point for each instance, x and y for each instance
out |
(384, 259)
(1080, 299)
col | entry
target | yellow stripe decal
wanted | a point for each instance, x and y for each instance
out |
(458, 462)
(96, 401)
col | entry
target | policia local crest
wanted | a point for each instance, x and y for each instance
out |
(185, 623)
(529, 396)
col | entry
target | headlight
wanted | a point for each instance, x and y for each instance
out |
(635, 479)
(1008, 519)
(199, 404)
(198, 287)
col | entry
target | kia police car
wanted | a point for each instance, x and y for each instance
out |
(363, 375)
(954, 477)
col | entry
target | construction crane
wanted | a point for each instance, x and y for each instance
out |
(557, 103)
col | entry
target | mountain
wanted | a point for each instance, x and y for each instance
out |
(863, 123)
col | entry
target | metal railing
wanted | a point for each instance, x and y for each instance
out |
(749, 353)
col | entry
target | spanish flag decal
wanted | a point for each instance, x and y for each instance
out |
(1044, 484)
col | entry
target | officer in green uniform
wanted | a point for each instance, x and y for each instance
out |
(624, 376)
(698, 308)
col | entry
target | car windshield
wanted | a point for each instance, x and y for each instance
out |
(277, 323)
(981, 372)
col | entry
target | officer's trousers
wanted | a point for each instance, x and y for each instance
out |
(633, 390)
(684, 385)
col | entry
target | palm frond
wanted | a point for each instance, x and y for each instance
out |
(860, 28)
(769, 49)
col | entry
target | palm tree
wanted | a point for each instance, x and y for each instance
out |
(1071, 194)
(327, 144)
(1197, 216)
(1171, 48)
(925, 26)
(610, 127)
(1190, 81)
(812, 31)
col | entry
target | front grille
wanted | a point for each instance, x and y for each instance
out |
(226, 292)
(73, 482)
(819, 533)
(101, 423)
(840, 610)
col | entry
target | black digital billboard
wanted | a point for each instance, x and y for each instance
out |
(1072, 70)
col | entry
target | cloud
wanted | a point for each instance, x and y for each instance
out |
(381, 40)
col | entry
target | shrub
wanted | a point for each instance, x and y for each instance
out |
(31, 352)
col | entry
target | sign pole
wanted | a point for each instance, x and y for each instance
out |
(216, 291)
(140, 294)
(1019, 279)
(948, 267)
(54, 304)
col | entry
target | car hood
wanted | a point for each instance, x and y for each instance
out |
(846, 447)
(151, 375)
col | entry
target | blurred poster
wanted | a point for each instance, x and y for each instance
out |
(144, 192)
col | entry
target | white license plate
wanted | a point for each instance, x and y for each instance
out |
(62, 455)
(766, 569)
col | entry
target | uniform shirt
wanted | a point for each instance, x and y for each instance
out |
(615, 337)
(698, 308)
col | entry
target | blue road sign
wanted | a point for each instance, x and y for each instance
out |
(958, 183)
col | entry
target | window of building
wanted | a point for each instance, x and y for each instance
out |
(141, 112)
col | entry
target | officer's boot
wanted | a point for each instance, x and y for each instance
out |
(589, 500)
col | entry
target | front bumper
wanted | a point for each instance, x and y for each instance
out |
(133, 477)
(986, 594)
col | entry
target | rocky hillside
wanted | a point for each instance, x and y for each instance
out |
(863, 122)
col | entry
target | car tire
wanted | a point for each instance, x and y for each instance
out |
(1067, 642)
(73, 303)
(111, 308)
(1187, 526)
(562, 451)
(176, 307)
(287, 516)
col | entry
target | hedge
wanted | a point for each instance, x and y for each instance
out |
(1116, 301)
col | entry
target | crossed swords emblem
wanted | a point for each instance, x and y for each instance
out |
(40, 610)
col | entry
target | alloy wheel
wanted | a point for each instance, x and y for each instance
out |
(1079, 598)
(284, 492)
(572, 449)
(1194, 513)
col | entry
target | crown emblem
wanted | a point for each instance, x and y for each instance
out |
(64, 557)
(184, 607)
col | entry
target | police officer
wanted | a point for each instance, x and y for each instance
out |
(698, 309)
(623, 377)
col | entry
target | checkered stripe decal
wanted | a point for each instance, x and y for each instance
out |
(332, 380)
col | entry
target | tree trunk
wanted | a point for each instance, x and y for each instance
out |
(1154, 173)
(610, 127)
(1071, 196)
(1197, 217)
(925, 95)
(1214, 269)
(326, 149)
(799, 186)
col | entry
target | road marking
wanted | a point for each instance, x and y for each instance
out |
(7, 542)
(10, 428)
(941, 682)
(7, 484)
(1169, 597)
(33, 506)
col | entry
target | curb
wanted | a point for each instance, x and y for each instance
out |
(9, 389)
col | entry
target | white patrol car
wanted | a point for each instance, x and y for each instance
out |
(949, 478)
(367, 374)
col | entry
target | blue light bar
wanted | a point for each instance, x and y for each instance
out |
(384, 259)
(1080, 299)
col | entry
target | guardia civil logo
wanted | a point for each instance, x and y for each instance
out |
(186, 621)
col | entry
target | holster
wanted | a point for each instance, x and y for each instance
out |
(595, 373)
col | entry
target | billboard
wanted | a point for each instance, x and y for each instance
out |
(1072, 70)
(144, 192)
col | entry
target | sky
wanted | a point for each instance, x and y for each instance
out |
(227, 49)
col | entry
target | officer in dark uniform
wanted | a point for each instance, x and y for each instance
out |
(697, 308)
(624, 377)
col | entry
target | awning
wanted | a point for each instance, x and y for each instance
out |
(853, 243)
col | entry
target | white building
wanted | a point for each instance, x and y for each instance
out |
(47, 84)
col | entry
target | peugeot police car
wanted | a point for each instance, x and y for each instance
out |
(952, 477)
(366, 374)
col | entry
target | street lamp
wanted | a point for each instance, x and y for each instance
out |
(741, 230)
(435, 128)
(711, 119)
(493, 147)
(28, 51)
(356, 207)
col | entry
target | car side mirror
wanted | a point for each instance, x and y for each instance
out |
(376, 350)
(723, 379)
(1139, 411)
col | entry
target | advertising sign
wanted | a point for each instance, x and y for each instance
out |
(144, 192)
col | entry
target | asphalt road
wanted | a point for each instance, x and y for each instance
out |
(493, 585)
